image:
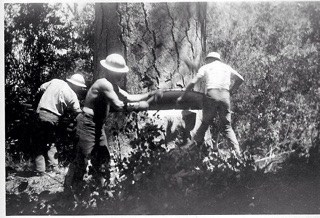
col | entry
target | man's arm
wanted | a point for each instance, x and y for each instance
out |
(194, 81)
(119, 105)
(44, 86)
(107, 89)
(39, 93)
(42, 89)
(238, 80)
(156, 94)
(188, 88)
(150, 97)
(72, 101)
(78, 110)
(135, 97)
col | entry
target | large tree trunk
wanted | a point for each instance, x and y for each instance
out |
(107, 35)
(202, 16)
(155, 39)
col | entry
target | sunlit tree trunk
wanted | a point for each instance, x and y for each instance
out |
(202, 16)
(155, 39)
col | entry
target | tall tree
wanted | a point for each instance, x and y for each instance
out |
(154, 38)
(107, 34)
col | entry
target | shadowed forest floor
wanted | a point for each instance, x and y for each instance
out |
(290, 191)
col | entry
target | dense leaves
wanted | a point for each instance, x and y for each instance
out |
(42, 41)
(270, 45)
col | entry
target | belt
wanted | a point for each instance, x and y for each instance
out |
(88, 111)
(220, 89)
(46, 110)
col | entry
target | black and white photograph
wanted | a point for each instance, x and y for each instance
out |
(161, 108)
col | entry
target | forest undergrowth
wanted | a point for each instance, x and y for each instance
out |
(156, 178)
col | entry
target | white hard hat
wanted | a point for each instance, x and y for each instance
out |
(115, 63)
(77, 79)
(213, 55)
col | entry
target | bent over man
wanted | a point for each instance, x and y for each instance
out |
(104, 95)
(218, 76)
(58, 96)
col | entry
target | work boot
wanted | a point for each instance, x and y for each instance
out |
(52, 153)
(53, 169)
(40, 164)
(189, 145)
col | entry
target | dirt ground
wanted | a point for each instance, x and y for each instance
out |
(24, 189)
(291, 192)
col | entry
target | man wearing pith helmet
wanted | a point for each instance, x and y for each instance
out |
(103, 96)
(218, 77)
(58, 97)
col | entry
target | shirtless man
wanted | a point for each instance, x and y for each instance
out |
(103, 96)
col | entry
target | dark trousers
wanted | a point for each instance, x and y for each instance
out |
(217, 103)
(92, 153)
(46, 132)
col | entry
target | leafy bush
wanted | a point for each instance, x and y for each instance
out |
(160, 177)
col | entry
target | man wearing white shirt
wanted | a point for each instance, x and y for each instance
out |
(58, 96)
(218, 77)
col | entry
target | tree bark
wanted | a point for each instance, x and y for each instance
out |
(107, 36)
(155, 39)
(202, 16)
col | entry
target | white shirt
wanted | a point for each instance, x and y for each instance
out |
(217, 75)
(57, 97)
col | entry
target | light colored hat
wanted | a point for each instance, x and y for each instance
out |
(213, 55)
(115, 63)
(77, 79)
